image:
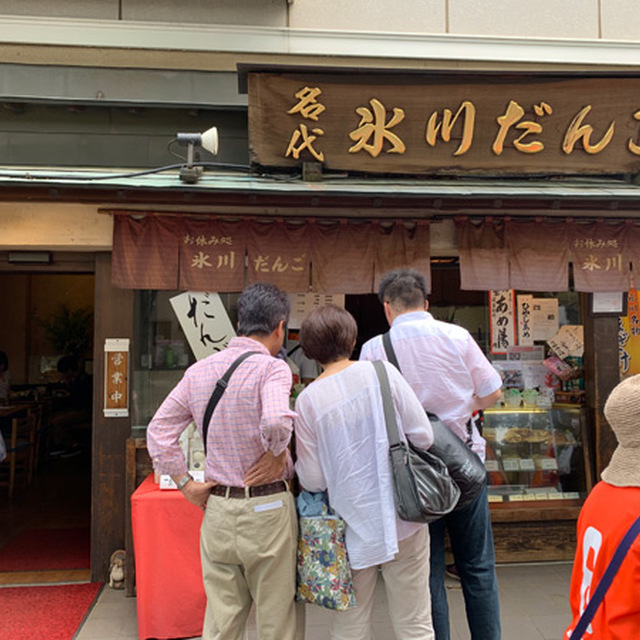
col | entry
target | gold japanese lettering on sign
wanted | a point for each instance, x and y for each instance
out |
(578, 131)
(205, 260)
(593, 262)
(374, 131)
(303, 138)
(116, 379)
(445, 126)
(268, 264)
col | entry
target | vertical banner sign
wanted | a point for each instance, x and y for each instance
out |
(116, 377)
(503, 329)
(629, 337)
(525, 319)
(204, 320)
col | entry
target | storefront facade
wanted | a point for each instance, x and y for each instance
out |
(457, 177)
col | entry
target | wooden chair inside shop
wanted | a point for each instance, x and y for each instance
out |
(20, 445)
(42, 415)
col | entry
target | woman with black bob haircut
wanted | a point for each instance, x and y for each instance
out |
(342, 447)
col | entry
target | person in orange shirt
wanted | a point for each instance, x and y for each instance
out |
(611, 508)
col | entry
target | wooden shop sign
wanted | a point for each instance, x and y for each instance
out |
(438, 124)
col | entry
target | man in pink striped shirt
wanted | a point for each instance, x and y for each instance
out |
(249, 532)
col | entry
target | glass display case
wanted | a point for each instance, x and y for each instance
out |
(535, 453)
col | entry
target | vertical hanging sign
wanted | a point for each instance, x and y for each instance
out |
(503, 329)
(629, 337)
(525, 320)
(116, 377)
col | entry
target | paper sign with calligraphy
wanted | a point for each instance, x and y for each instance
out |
(545, 318)
(445, 124)
(525, 320)
(204, 320)
(116, 377)
(302, 304)
(502, 328)
(569, 341)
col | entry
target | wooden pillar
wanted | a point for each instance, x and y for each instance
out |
(113, 319)
(602, 374)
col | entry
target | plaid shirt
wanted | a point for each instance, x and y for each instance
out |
(252, 417)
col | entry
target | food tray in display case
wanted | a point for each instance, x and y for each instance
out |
(535, 453)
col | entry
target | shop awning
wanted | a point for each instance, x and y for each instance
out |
(171, 235)
(356, 196)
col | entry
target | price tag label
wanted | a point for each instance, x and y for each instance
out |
(495, 498)
(511, 464)
(571, 495)
(555, 495)
(527, 464)
(549, 464)
(528, 497)
(491, 465)
(515, 498)
(543, 495)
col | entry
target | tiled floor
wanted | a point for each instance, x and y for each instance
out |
(534, 605)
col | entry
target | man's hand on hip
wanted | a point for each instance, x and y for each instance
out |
(269, 468)
(198, 492)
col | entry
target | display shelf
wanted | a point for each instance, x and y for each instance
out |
(536, 456)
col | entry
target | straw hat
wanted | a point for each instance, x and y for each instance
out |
(622, 411)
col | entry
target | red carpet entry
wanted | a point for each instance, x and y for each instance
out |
(51, 612)
(46, 549)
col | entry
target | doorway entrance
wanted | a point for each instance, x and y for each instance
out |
(46, 332)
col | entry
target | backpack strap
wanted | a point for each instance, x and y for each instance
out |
(606, 580)
(218, 390)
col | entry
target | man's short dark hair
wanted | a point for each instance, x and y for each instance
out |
(261, 307)
(328, 334)
(403, 288)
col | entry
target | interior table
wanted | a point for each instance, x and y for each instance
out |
(166, 539)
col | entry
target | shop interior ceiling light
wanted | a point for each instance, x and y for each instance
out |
(207, 140)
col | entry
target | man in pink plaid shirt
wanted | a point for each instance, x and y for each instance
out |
(249, 532)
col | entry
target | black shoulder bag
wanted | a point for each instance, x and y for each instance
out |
(423, 490)
(219, 389)
(464, 466)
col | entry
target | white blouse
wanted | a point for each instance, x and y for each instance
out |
(342, 446)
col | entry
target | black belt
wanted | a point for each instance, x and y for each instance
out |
(249, 492)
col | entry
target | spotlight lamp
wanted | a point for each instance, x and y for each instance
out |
(207, 140)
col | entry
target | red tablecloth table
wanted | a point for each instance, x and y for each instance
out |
(166, 539)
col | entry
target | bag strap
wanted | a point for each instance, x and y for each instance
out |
(393, 359)
(606, 580)
(387, 404)
(219, 389)
(390, 351)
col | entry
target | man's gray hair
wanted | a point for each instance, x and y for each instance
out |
(404, 288)
(261, 307)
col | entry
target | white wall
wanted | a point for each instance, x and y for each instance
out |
(584, 19)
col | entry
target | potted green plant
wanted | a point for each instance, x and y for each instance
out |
(69, 331)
